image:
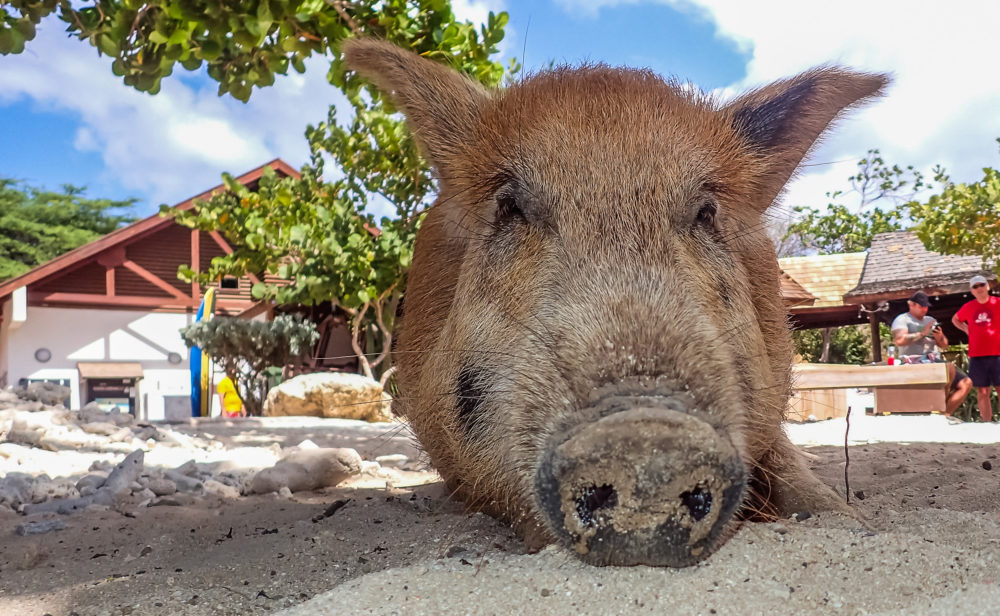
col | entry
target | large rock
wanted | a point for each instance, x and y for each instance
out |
(330, 394)
(49, 394)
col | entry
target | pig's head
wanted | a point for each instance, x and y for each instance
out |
(593, 342)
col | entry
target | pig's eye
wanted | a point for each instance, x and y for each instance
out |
(508, 207)
(706, 215)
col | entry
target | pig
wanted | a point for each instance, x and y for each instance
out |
(593, 345)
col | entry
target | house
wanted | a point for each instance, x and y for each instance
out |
(103, 319)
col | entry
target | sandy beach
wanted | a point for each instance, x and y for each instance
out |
(394, 543)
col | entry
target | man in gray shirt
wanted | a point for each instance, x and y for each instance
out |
(919, 337)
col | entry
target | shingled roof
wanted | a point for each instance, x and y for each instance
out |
(825, 277)
(898, 264)
(795, 294)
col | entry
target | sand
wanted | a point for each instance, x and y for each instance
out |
(931, 543)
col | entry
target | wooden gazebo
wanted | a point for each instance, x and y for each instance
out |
(897, 266)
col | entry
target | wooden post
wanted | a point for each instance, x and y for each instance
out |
(876, 339)
(195, 265)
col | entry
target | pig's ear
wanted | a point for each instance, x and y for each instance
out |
(782, 121)
(441, 105)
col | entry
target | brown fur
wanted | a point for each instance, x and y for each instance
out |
(609, 278)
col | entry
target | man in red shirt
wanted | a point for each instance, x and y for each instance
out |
(980, 319)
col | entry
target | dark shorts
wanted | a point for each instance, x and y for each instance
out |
(985, 371)
(959, 375)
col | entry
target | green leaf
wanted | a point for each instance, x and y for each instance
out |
(11, 41)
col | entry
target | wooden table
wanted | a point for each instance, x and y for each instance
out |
(819, 390)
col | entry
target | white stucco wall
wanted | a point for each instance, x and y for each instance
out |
(75, 335)
(5, 310)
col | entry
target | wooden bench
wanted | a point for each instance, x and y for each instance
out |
(819, 390)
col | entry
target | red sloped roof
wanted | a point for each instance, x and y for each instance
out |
(131, 232)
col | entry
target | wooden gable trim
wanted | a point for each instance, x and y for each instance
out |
(112, 258)
(120, 238)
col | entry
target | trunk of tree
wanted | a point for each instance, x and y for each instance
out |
(249, 387)
(824, 357)
(358, 317)
(385, 376)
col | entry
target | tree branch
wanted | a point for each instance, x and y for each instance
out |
(356, 339)
(341, 7)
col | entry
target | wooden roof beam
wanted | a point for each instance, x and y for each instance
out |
(226, 248)
(106, 300)
(154, 279)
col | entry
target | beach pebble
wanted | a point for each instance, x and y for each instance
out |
(15, 490)
(370, 468)
(39, 527)
(90, 483)
(161, 486)
(396, 460)
(183, 482)
(211, 486)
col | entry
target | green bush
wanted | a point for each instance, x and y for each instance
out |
(247, 349)
(848, 345)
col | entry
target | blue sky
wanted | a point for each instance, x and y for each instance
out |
(64, 118)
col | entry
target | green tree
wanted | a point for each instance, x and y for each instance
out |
(320, 235)
(312, 234)
(245, 44)
(963, 219)
(247, 349)
(879, 193)
(37, 225)
(842, 345)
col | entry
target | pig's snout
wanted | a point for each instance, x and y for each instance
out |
(645, 486)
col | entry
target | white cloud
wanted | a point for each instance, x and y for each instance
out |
(175, 144)
(476, 11)
(941, 107)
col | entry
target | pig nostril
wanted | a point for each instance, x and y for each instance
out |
(592, 499)
(698, 502)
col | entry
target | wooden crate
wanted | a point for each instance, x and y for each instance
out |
(817, 404)
(910, 399)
